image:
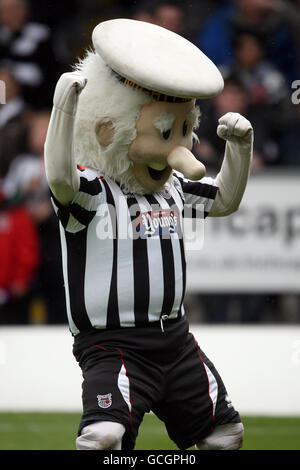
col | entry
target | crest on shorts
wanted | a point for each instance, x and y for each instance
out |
(104, 401)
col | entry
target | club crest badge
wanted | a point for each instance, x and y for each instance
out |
(165, 193)
(104, 401)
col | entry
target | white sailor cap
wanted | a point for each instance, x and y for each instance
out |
(155, 60)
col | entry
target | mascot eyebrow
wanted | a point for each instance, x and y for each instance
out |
(166, 120)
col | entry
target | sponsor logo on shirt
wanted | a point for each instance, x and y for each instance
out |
(158, 222)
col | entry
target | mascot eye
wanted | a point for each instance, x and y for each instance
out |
(166, 134)
(184, 129)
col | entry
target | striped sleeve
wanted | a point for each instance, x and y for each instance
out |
(77, 215)
(200, 195)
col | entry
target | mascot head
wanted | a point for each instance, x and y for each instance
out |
(136, 117)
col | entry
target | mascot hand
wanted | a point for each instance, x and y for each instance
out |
(68, 87)
(235, 128)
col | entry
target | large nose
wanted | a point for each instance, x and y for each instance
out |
(182, 160)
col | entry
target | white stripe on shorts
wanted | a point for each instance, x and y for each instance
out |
(212, 387)
(124, 386)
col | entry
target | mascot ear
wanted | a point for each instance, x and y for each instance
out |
(104, 130)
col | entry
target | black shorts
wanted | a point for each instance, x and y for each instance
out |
(182, 386)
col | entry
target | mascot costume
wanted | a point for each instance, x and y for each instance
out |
(121, 172)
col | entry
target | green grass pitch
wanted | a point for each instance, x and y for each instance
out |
(57, 431)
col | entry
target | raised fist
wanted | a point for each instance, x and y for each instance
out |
(234, 127)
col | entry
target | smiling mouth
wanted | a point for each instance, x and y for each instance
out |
(155, 174)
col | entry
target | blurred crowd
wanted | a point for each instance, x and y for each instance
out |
(256, 45)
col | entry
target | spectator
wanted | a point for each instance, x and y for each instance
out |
(265, 85)
(12, 125)
(290, 136)
(260, 16)
(210, 148)
(26, 48)
(27, 178)
(234, 98)
(26, 174)
(19, 247)
(76, 36)
(289, 12)
(175, 15)
(56, 12)
(143, 12)
(170, 15)
(61, 17)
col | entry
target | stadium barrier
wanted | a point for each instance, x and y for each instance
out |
(260, 366)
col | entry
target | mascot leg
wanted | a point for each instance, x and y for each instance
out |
(224, 437)
(101, 435)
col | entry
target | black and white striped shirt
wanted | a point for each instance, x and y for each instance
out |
(123, 254)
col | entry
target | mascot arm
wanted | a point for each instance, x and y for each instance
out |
(60, 163)
(233, 176)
